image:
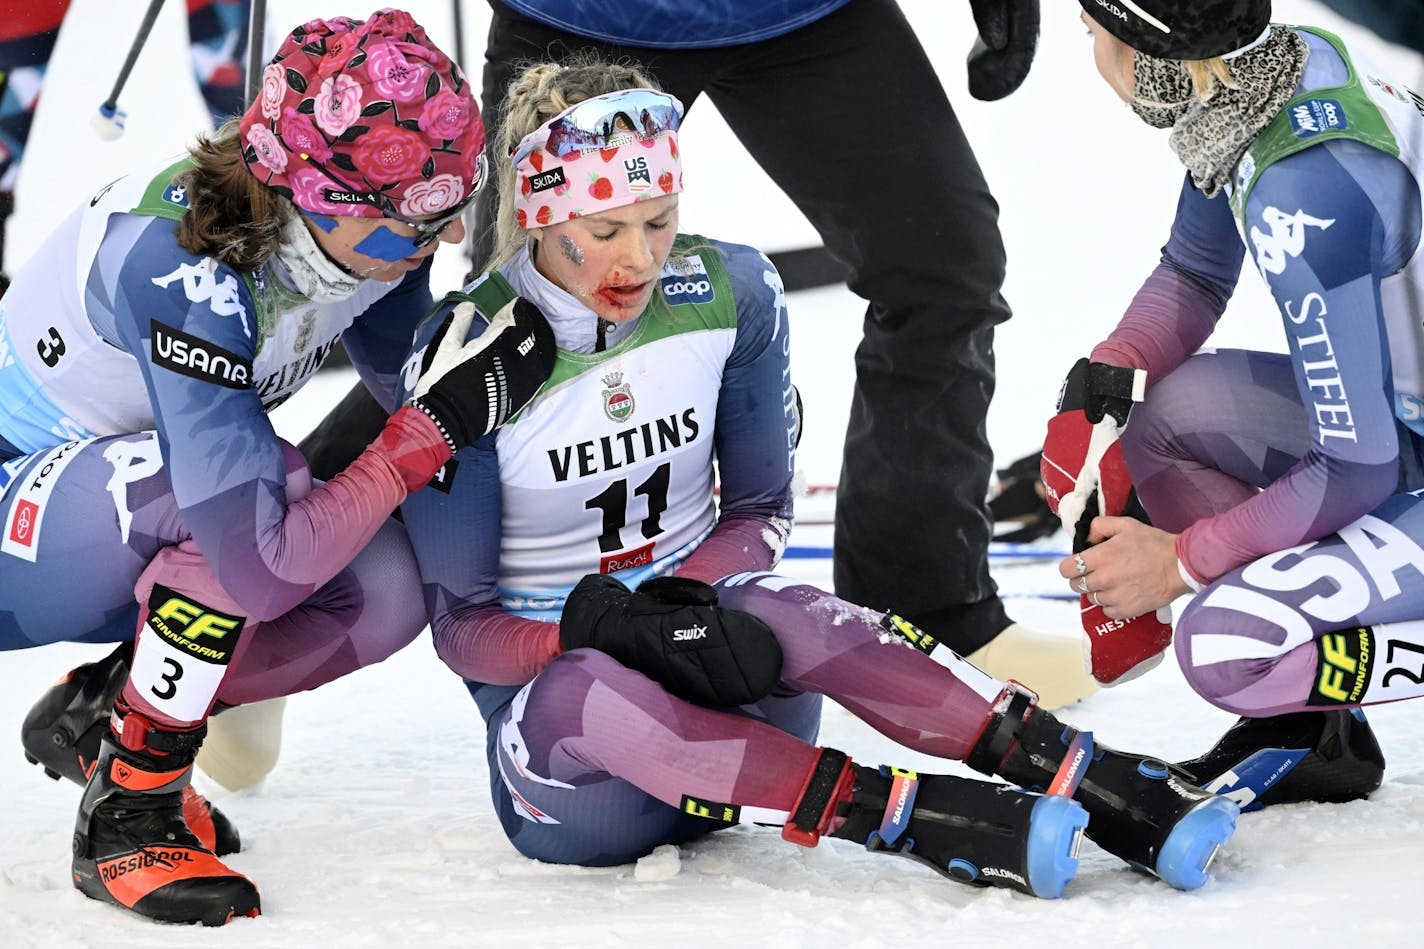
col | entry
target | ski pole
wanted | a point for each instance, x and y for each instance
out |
(109, 123)
(256, 30)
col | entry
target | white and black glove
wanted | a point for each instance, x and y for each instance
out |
(672, 630)
(1003, 53)
(470, 387)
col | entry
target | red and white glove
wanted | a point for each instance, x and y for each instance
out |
(1083, 471)
(1084, 476)
(1119, 650)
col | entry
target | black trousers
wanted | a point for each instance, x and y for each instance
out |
(897, 195)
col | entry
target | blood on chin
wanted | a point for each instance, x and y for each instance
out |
(623, 302)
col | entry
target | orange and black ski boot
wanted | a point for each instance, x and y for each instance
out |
(132, 845)
(63, 729)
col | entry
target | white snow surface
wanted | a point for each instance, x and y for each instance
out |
(375, 829)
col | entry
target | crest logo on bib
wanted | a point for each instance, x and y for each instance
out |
(617, 398)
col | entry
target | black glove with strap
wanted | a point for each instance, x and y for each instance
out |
(672, 630)
(470, 387)
(1003, 53)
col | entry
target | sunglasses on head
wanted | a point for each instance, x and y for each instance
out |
(428, 231)
(604, 122)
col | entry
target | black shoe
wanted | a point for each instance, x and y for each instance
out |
(1328, 757)
(132, 844)
(975, 832)
(63, 731)
(1140, 809)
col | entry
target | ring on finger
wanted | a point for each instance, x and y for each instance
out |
(1082, 586)
(1078, 562)
(1093, 597)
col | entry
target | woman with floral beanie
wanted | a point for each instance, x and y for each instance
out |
(141, 350)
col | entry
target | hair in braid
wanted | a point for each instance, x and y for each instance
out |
(542, 91)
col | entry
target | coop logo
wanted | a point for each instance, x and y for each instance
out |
(198, 358)
(22, 528)
(1314, 116)
(687, 282)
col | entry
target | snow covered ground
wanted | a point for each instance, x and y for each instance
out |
(375, 829)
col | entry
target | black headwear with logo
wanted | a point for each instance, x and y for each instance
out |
(1182, 29)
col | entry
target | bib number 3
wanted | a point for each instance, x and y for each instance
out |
(182, 654)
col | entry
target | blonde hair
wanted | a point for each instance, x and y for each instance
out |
(542, 91)
(1207, 74)
(231, 216)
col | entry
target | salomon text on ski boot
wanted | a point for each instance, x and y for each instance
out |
(63, 730)
(132, 845)
(974, 832)
(1141, 809)
(1326, 756)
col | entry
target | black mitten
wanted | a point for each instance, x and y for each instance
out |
(672, 630)
(1003, 52)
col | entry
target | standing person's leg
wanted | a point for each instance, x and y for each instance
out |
(848, 117)
(27, 39)
(217, 38)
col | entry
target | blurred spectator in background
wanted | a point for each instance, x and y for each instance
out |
(217, 36)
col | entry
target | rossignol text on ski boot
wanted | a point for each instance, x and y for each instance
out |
(132, 845)
(1326, 756)
(974, 832)
(1141, 809)
(63, 730)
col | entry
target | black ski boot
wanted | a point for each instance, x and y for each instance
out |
(63, 731)
(1328, 757)
(974, 832)
(132, 845)
(1141, 809)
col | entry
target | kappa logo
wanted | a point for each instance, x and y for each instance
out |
(685, 281)
(201, 286)
(1286, 239)
(198, 358)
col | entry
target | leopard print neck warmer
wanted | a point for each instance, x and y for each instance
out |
(1210, 136)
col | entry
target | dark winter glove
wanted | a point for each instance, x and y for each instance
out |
(471, 388)
(671, 630)
(1083, 471)
(1003, 53)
